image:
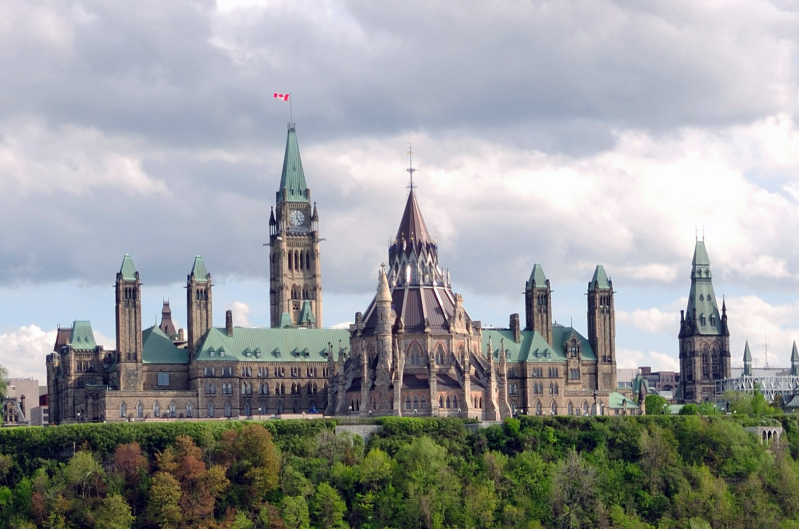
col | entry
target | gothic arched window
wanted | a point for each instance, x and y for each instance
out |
(554, 408)
(123, 410)
(538, 408)
(407, 403)
(569, 408)
(139, 410)
(228, 409)
(189, 409)
(173, 409)
(156, 409)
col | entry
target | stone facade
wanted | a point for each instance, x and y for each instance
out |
(414, 351)
(704, 335)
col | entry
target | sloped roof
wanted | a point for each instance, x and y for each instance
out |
(533, 347)
(701, 296)
(292, 178)
(412, 226)
(538, 276)
(82, 337)
(306, 314)
(127, 270)
(62, 338)
(600, 279)
(157, 348)
(199, 271)
(271, 345)
(619, 401)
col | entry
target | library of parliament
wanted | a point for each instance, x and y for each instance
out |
(413, 351)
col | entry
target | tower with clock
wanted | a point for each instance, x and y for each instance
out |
(295, 272)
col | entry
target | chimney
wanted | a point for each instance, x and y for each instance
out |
(514, 326)
(181, 336)
(229, 322)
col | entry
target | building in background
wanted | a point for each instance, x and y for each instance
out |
(22, 397)
(704, 335)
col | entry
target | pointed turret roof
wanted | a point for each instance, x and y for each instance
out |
(292, 178)
(412, 226)
(702, 298)
(306, 314)
(538, 276)
(199, 271)
(748, 353)
(127, 270)
(794, 354)
(167, 325)
(383, 292)
(600, 279)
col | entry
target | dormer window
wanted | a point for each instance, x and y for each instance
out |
(221, 352)
(713, 319)
(211, 352)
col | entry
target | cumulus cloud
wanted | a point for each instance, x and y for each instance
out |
(599, 132)
(658, 361)
(24, 351)
(241, 312)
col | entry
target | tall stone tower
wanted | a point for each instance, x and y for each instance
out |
(295, 271)
(704, 335)
(128, 326)
(538, 303)
(602, 328)
(199, 303)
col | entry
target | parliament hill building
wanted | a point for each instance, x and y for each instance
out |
(414, 351)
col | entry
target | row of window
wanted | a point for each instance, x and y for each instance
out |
(84, 366)
(299, 260)
(263, 408)
(263, 372)
(552, 372)
(311, 388)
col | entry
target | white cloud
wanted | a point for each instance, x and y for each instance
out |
(241, 312)
(344, 325)
(652, 320)
(23, 352)
(634, 358)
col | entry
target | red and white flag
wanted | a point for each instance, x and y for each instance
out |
(284, 97)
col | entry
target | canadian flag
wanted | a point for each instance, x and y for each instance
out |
(284, 97)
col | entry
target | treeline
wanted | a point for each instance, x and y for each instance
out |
(558, 472)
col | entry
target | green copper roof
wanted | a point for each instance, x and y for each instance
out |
(537, 276)
(82, 338)
(285, 321)
(292, 179)
(127, 270)
(619, 401)
(306, 314)
(533, 347)
(700, 255)
(794, 360)
(198, 270)
(702, 297)
(600, 279)
(747, 353)
(271, 345)
(159, 349)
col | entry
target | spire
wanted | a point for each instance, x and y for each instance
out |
(702, 298)
(412, 226)
(199, 271)
(383, 292)
(537, 276)
(128, 271)
(167, 326)
(600, 279)
(794, 360)
(292, 178)
(748, 360)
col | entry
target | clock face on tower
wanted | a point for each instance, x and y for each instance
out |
(296, 218)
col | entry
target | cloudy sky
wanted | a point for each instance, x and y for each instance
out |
(563, 133)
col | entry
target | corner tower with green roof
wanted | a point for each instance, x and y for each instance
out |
(199, 303)
(538, 303)
(704, 335)
(295, 272)
(602, 328)
(128, 326)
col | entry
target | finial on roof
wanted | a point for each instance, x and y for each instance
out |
(410, 168)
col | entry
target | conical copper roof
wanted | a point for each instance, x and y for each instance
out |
(412, 226)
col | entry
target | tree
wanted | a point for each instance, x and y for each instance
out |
(328, 508)
(252, 461)
(656, 405)
(295, 512)
(574, 493)
(113, 513)
(163, 506)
